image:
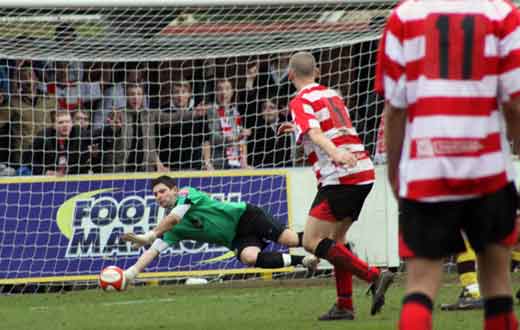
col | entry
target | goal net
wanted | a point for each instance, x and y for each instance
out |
(98, 97)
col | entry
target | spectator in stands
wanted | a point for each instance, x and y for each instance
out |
(268, 79)
(71, 93)
(280, 87)
(249, 95)
(204, 82)
(61, 149)
(9, 134)
(228, 136)
(263, 81)
(111, 94)
(81, 118)
(96, 139)
(30, 105)
(134, 74)
(268, 148)
(185, 134)
(279, 67)
(182, 98)
(65, 77)
(134, 132)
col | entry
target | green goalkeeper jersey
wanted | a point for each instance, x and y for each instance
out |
(207, 220)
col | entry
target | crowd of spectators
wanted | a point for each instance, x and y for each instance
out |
(59, 118)
(70, 118)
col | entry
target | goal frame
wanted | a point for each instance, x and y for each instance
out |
(42, 7)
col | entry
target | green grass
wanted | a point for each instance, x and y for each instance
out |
(265, 305)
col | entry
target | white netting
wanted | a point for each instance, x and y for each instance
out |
(181, 33)
(157, 88)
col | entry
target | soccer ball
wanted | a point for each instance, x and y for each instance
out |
(112, 278)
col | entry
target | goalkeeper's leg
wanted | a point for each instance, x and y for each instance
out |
(291, 238)
(253, 256)
(249, 251)
(255, 228)
(257, 222)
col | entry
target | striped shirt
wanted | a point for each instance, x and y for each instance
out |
(316, 106)
(451, 64)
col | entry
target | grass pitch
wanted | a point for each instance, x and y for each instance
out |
(262, 305)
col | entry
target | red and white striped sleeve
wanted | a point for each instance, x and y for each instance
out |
(509, 52)
(303, 116)
(390, 68)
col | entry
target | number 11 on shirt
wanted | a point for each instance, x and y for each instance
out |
(452, 44)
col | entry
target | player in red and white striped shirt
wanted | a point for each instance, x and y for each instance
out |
(345, 174)
(446, 68)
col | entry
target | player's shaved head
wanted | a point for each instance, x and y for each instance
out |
(303, 65)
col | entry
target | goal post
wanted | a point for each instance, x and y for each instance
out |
(194, 88)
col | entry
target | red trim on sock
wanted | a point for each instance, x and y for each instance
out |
(415, 316)
(343, 288)
(504, 321)
(341, 257)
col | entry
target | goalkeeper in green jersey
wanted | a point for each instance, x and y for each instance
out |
(193, 215)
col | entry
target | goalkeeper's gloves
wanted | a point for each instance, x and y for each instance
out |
(139, 240)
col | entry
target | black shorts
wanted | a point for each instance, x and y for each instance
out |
(434, 230)
(337, 202)
(256, 228)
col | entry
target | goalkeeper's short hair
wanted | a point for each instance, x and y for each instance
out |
(166, 180)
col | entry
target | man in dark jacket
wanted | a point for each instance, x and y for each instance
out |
(61, 149)
(268, 149)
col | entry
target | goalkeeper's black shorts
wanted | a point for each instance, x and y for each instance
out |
(256, 228)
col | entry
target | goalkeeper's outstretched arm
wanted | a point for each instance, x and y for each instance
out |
(138, 240)
(166, 224)
(144, 260)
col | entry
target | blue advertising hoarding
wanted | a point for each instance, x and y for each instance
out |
(66, 229)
